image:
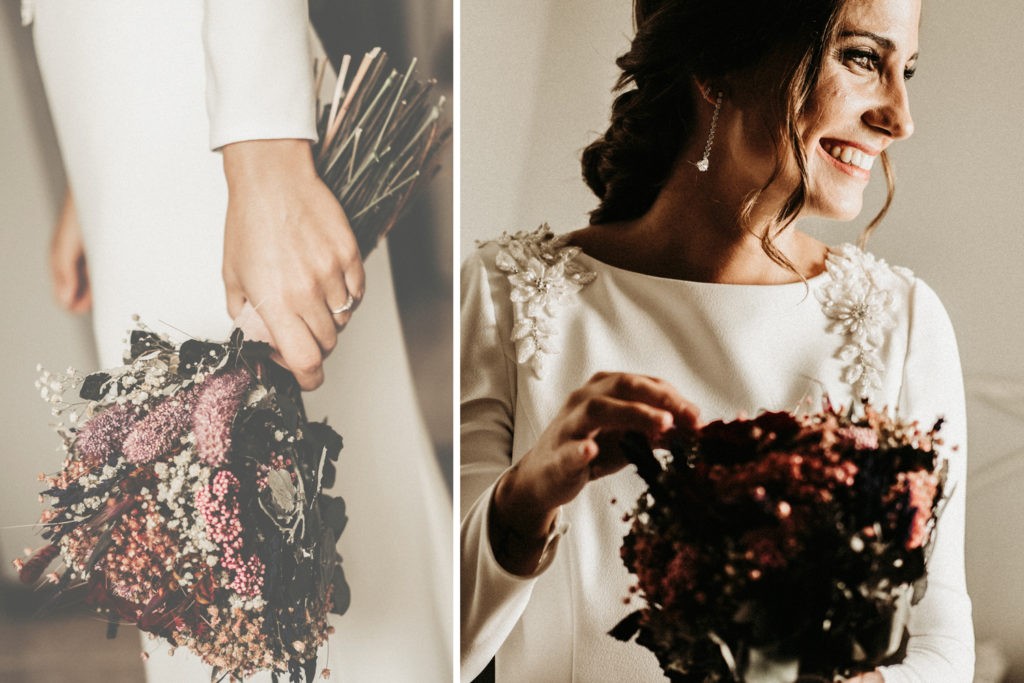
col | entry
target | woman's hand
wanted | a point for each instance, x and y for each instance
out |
(869, 677)
(67, 261)
(582, 443)
(289, 252)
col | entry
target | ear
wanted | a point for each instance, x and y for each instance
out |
(708, 91)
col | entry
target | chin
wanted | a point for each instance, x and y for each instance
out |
(838, 206)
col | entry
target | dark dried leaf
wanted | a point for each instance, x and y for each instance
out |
(627, 628)
(195, 353)
(142, 341)
(95, 386)
(332, 511)
(638, 451)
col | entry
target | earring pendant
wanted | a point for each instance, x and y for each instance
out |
(705, 161)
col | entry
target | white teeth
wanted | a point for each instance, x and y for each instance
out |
(851, 156)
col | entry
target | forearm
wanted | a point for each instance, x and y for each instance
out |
(519, 524)
(492, 598)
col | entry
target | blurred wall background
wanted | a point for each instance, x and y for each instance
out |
(535, 89)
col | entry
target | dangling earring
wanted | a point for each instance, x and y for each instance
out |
(702, 165)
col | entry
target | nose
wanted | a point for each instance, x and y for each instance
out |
(891, 114)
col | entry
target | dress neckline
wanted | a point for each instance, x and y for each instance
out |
(811, 282)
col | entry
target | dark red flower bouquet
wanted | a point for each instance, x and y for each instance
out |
(782, 546)
(191, 504)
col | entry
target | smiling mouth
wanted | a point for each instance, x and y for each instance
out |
(848, 155)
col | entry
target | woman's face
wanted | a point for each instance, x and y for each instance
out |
(860, 105)
(858, 108)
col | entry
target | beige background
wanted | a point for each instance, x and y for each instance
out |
(535, 90)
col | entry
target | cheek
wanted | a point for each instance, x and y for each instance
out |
(829, 109)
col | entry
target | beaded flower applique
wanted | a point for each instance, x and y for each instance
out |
(859, 301)
(541, 270)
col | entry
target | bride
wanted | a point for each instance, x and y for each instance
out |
(141, 92)
(693, 296)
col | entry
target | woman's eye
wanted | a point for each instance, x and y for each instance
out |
(909, 72)
(865, 59)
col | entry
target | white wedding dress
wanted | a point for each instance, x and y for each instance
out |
(728, 349)
(127, 82)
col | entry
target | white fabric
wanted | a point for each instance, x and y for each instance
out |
(727, 348)
(259, 77)
(127, 86)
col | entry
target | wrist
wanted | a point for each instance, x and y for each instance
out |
(252, 161)
(519, 510)
(519, 531)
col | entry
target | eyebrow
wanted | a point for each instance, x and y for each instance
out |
(882, 41)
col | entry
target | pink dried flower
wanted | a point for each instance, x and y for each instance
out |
(922, 487)
(154, 434)
(104, 434)
(219, 400)
(218, 504)
(247, 573)
(863, 438)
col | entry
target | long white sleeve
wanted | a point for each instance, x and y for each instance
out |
(259, 70)
(492, 599)
(941, 645)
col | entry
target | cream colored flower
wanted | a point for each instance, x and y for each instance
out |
(858, 300)
(542, 273)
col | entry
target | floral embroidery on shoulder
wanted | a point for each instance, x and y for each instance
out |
(541, 269)
(858, 298)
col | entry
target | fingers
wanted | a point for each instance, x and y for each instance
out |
(649, 390)
(252, 325)
(296, 345)
(583, 460)
(63, 277)
(339, 301)
(70, 276)
(585, 440)
(623, 402)
(346, 287)
(606, 414)
(68, 269)
(355, 276)
(82, 300)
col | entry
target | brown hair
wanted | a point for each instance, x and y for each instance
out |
(677, 41)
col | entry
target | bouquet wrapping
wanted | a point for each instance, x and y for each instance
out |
(782, 546)
(191, 498)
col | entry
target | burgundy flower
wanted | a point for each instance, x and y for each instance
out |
(30, 571)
